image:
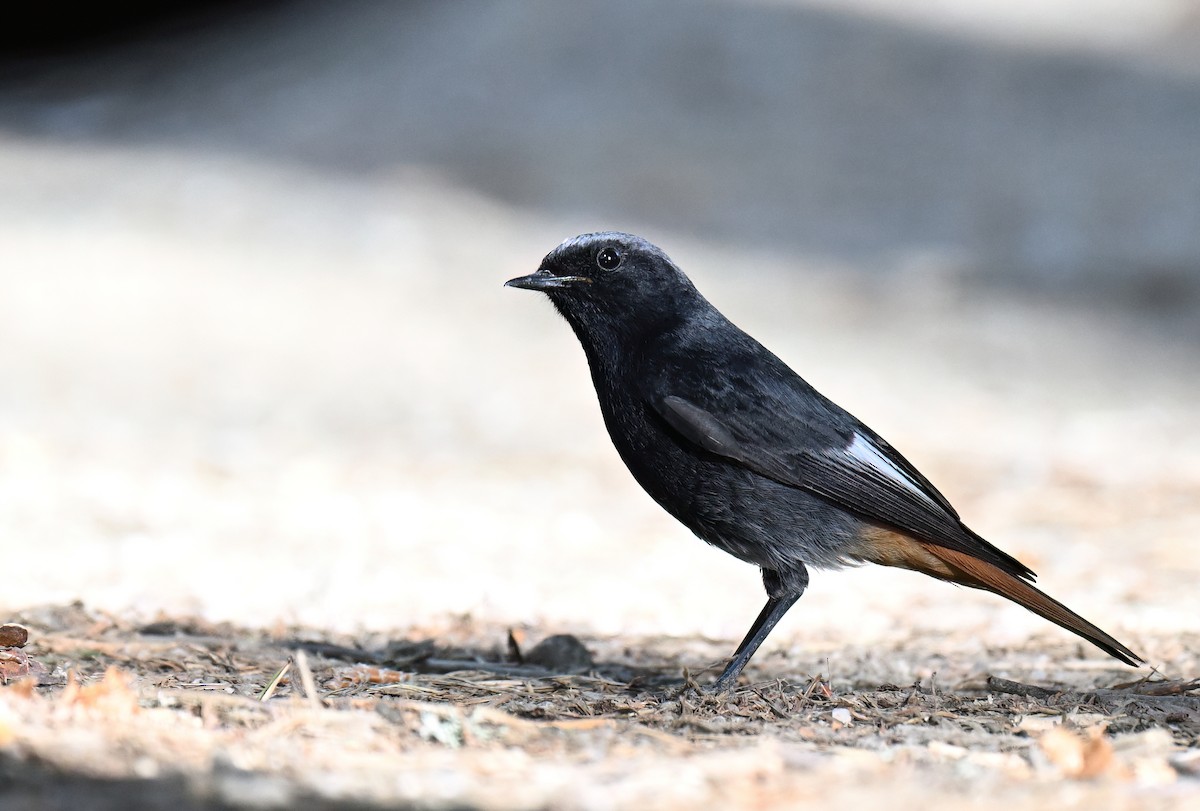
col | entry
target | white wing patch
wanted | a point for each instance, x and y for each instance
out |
(863, 451)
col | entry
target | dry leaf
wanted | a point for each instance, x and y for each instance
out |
(1097, 754)
(1039, 723)
(580, 724)
(112, 694)
(1078, 756)
(1064, 749)
(365, 674)
(25, 688)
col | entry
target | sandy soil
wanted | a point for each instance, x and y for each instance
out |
(256, 406)
(278, 428)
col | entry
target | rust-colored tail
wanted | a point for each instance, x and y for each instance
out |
(894, 549)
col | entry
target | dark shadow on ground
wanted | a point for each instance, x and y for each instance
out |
(773, 125)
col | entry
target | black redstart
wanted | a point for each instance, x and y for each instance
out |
(746, 454)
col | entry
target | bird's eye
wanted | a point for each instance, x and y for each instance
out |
(609, 258)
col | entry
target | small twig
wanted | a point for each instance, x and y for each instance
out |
(307, 680)
(1160, 688)
(1173, 707)
(1017, 689)
(329, 650)
(806, 696)
(269, 690)
(398, 655)
(202, 698)
(458, 665)
(775, 708)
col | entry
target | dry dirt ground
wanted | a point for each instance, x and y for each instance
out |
(238, 444)
(187, 714)
(262, 416)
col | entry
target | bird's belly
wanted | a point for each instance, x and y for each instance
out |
(751, 517)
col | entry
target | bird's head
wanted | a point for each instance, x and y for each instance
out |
(610, 280)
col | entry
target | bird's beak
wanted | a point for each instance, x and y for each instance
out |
(545, 280)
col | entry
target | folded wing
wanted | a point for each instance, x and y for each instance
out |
(771, 421)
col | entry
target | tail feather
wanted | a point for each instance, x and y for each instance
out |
(891, 548)
(983, 575)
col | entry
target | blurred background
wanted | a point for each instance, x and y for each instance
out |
(258, 364)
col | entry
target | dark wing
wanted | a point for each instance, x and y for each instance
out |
(761, 415)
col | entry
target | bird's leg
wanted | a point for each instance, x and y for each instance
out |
(768, 618)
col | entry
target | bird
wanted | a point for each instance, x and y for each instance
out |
(741, 450)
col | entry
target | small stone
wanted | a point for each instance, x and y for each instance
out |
(13, 636)
(562, 653)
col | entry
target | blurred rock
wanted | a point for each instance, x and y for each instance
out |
(561, 653)
(13, 636)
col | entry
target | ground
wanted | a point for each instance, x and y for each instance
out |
(189, 714)
(267, 410)
(231, 465)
